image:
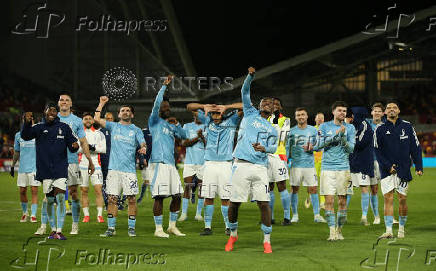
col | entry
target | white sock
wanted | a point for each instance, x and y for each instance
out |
(44, 226)
(363, 217)
(172, 224)
(99, 211)
(234, 233)
(401, 228)
(86, 211)
(59, 230)
(267, 238)
(388, 229)
(332, 229)
(75, 224)
(159, 228)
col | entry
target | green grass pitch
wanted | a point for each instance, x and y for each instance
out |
(302, 246)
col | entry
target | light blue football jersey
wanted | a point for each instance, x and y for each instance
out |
(125, 139)
(76, 126)
(254, 129)
(195, 153)
(297, 139)
(27, 154)
(220, 137)
(337, 148)
(163, 133)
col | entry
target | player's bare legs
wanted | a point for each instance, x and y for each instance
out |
(186, 197)
(342, 215)
(75, 208)
(99, 201)
(374, 203)
(34, 206)
(403, 209)
(208, 215)
(23, 200)
(286, 199)
(174, 213)
(330, 216)
(388, 213)
(364, 204)
(57, 195)
(313, 194)
(233, 223)
(85, 203)
(112, 212)
(131, 210)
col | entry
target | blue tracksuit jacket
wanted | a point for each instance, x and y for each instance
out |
(361, 160)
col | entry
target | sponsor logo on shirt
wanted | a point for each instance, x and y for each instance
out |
(388, 133)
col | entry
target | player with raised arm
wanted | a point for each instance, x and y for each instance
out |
(121, 178)
(193, 166)
(166, 179)
(52, 139)
(66, 116)
(97, 145)
(361, 159)
(26, 153)
(218, 157)
(395, 143)
(302, 138)
(256, 138)
(277, 163)
(337, 138)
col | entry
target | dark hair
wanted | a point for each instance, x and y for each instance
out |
(392, 101)
(319, 113)
(379, 105)
(87, 114)
(66, 94)
(126, 105)
(51, 104)
(339, 104)
(300, 109)
(278, 99)
(166, 98)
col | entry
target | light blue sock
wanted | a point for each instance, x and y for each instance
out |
(24, 207)
(158, 220)
(348, 200)
(342, 217)
(51, 211)
(365, 201)
(131, 221)
(286, 202)
(60, 211)
(271, 203)
(314, 198)
(225, 212)
(233, 226)
(33, 209)
(265, 229)
(75, 210)
(389, 220)
(173, 216)
(200, 205)
(208, 214)
(374, 205)
(331, 220)
(111, 221)
(294, 204)
(185, 203)
(44, 216)
(403, 220)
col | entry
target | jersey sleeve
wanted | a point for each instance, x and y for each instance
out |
(350, 139)
(100, 147)
(203, 118)
(29, 132)
(79, 130)
(139, 136)
(378, 147)
(234, 118)
(246, 98)
(154, 116)
(415, 149)
(180, 132)
(70, 138)
(17, 142)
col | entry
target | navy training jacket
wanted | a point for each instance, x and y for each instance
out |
(51, 141)
(397, 144)
(362, 159)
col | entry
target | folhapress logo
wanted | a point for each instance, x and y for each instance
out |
(37, 20)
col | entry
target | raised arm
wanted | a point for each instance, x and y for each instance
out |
(97, 115)
(154, 116)
(245, 91)
(349, 140)
(28, 132)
